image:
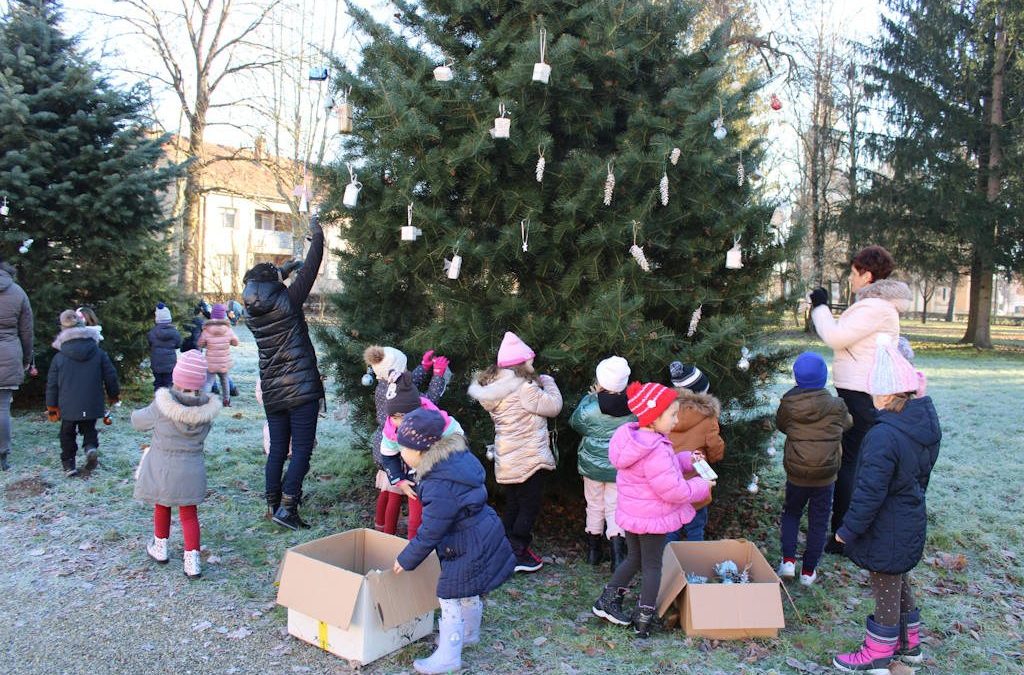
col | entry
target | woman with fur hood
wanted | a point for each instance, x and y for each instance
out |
(172, 471)
(879, 301)
(520, 402)
(16, 324)
(218, 339)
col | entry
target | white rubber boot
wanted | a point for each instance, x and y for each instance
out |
(157, 550)
(447, 657)
(193, 570)
(472, 615)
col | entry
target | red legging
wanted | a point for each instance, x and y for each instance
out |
(189, 517)
(389, 506)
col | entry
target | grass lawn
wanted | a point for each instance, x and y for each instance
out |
(969, 585)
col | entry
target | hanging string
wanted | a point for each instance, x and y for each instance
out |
(524, 231)
(636, 226)
(543, 43)
(351, 173)
(501, 110)
(408, 218)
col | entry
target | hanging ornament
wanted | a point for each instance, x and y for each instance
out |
(344, 111)
(454, 266)
(609, 184)
(752, 486)
(776, 103)
(721, 132)
(637, 252)
(410, 233)
(443, 73)
(317, 73)
(741, 172)
(524, 232)
(303, 204)
(734, 256)
(542, 71)
(694, 320)
(502, 123)
(25, 246)
(675, 155)
(771, 451)
(735, 85)
(744, 363)
(663, 188)
(719, 123)
(540, 163)
(367, 380)
(351, 196)
(329, 104)
(4, 208)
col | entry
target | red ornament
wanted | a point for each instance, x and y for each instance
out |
(776, 103)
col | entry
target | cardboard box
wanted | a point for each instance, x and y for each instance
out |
(715, 610)
(343, 596)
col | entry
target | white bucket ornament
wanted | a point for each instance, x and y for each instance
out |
(409, 232)
(453, 267)
(344, 112)
(502, 123)
(734, 256)
(4, 208)
(351, 196)
(542, 71)
(443, 73)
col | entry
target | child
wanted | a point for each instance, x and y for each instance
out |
(74, 391)
(218, 338)
(457, 523)
(884, 529)
(172, 472)
(697, 429)
(91, 320)
(164, 340)
(596, 418)
(519, 402)
(383, 361)
(814, 421)
(654, 499)
(402, 398)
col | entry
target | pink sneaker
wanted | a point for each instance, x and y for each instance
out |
(875, 655)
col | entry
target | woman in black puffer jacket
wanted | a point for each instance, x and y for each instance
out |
(290, 379)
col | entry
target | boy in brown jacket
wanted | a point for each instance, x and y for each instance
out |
(814, 421)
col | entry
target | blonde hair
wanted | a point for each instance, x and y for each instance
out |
(493, 371)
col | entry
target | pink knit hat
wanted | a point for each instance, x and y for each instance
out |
(891, 373)
(190, 371)
(513, 351)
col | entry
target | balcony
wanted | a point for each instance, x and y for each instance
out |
(271, 241)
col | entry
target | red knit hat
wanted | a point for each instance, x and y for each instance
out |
(648, 400)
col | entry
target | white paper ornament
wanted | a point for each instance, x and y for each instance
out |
(752, 487)
(540, 164)
(541, 70)
(734, 256)
(524, 232)
(609, 185)
(443, 73)
(409, 232)
(351, 196)
(675, 155)
(663, 189)
(4, 208)
(694, 320)
(454, 266)
(502, 124)
(303, 203)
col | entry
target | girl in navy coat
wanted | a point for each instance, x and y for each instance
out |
(884, 528)
(467, 534)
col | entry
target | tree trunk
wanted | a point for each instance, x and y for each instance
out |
(951, 307)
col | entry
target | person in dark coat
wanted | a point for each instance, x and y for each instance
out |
(292, 387)
(74, 391)
(201, 313)
(467, 534)
(164, 340)
(15, 350)
(885, 527)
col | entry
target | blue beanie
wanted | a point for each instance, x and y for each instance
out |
(810, 371)
(420, 429)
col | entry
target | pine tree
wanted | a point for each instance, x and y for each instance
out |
(85, 180)
(549, 259)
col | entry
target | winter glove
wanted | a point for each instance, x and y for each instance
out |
(289, 267)
(427, 360)
(440, 365)
(819, 297)
(53, 413)
(314, 225)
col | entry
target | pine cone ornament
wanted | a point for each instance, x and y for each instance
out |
(741, 174)
(609, 187)
(540, 168)
(675, 155)
(694, 320)
(663, 188)
(641, 259)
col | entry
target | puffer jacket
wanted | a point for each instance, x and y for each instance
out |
(698, 429)
(654, 498)
(218, 338)
(852, 335)
(288, 366)
(596, 429)
(164, 340)
(78, 375)
(814, 421)
(519, 410)
(457, 522)
(887, 522)
(435, 390)
(173, 470)
(394, 466)
(15, 330)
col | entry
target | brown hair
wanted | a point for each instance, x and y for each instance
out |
(876, 260)
(485, 377)
(89, 317)
(898, 402)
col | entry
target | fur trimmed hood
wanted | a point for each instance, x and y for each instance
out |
(440, 451)
(506, 383)
(76, 333)
(186, 409)
(896, 292)
(705, 404)
(217, 326)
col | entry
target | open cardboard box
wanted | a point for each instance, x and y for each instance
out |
(343, 596)
(715, 610)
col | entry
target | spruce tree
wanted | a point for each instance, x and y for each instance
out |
(625, 90)
(86, 181)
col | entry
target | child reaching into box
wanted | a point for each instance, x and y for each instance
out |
(467, 534)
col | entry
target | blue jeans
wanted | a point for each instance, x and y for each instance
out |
(818, 501)
(295, 427)
(693, 530)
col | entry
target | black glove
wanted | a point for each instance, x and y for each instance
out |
(314, 225)
(819, 296)
(289, 267)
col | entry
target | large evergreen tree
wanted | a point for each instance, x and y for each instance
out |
(626, 88)
(85, 180)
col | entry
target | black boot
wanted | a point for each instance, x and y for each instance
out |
(619, 551)
(833, 547)
(234, 391)
(643, 623)
(609, 606)
(594, 553)
(287, 515)
(4, 464)
(273, 502)
(92, 458)
(69, 468)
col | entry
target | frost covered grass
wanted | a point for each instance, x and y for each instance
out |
(80, 595)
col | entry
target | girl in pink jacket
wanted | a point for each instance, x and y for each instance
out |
(218, 339)
(654, 499)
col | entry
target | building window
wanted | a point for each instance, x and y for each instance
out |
(227, 218)
(945, 294)
(273, 221)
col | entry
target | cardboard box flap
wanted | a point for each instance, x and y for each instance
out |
(735, 606)
(318, 588)
(673, 579)
(398, 598)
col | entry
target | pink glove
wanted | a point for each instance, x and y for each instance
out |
(440, 365)
(427, 360)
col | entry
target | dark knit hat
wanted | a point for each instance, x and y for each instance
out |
(401, 396)
(688, 376)
(810, 371)
(420, 429)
